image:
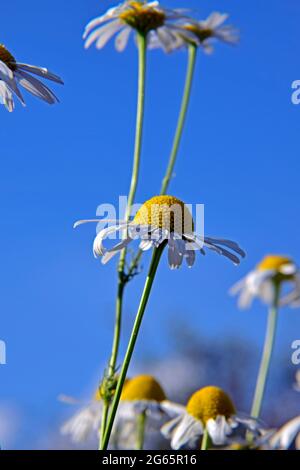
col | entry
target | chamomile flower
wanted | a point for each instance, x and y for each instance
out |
(86, 421)
(13, 73)
(142, 397)
(211, 409)
(164, 219)
(146, 18)
(288, 437)
(272, 271)
(212, 29)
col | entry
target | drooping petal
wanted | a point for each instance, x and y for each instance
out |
(6, 96)
(190, 257)
(218, 429)
(146, 245)
(109, 15)
(222, 251)
(284, 438)
(215, 20)
(80, 426)
(175, 257)
(40, 71)
(35, 87)
(98, 247)
(109, 254)
(122, 39)
(228, 243)
(103, 34)
(173, 409)
(186, 433)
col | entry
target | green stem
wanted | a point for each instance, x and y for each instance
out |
(266, 356)
(182, 117)
(141, 425)
(103, 421)
(178, 133)
(206, 441)
(142, 44)
(117, 330)
(113, 357)
(157, 252)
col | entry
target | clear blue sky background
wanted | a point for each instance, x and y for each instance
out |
(239, 156)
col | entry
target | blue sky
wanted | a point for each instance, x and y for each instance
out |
(239, 156)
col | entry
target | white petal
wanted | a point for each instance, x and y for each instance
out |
(288, 269)
(168, 429)
(102, 35)
(190, 257)
(218, 429)
(6, 96)
(41, 72)
(98, 248)
(109, 15)
(5, 73)
(36, 87)
(187, 433)
(122, 39)
(146, 245)
(174, 255)
(284, 438)
(173, 409)
(113, 251)
(215, 19)
(87, 420)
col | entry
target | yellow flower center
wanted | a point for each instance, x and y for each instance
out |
(274, 262)
(142, 17)
(143, 387)
(7, 57)
(201, 33)
(208, 403)
(165, 212)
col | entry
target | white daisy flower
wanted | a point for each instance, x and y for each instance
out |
(13, 73)
(210, 409)
(288, 437)
(143, 395)
(147, 18)
(86, 421)
(167, 220)
(262, 281)
(212, 29)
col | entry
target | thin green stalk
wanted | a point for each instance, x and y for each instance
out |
(192, 53)
(182, 117)
(141, 425)
(142, 44)
(206, 441)
(103, 420)
(117, 330)
(157, 252)
(266, 356)
(141, 40)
